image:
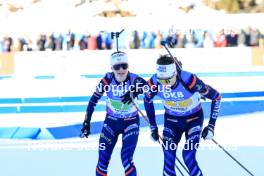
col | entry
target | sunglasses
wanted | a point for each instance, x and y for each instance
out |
(165, 81)
(118, 66)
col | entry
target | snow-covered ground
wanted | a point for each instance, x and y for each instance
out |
(241, 135)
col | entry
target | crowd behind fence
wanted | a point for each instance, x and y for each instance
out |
(177, 38)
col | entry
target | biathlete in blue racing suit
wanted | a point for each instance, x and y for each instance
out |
(120, 118)
(181, 93)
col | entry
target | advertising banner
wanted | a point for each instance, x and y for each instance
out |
(6, 64)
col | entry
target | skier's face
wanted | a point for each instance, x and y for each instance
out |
(120, 71)
(169, 81)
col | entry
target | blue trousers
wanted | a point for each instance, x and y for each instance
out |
(112, 127)
(174, 127)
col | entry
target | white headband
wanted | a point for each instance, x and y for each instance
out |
(118, 57)
(166, 71)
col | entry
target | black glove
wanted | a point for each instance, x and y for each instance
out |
(127, 97)
(155, 133)
(208, 132)
(85, 131)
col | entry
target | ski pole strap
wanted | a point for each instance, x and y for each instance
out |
(232, 157)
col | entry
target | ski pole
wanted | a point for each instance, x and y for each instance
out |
(160, 138)
(177, 62)
(179, 170)
(232, 157)
(182, 165)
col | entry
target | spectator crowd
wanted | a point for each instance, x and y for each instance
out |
(193, 38)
